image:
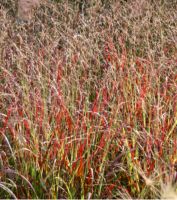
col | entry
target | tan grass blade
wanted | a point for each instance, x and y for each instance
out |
(168, 192)
(7, 190)
(25, 9)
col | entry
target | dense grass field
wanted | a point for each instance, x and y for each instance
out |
(88, 100)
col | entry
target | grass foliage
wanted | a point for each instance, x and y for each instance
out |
(88, 101)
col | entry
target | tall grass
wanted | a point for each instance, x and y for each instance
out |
(88, 101)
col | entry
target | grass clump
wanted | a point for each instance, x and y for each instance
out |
(88, 100)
